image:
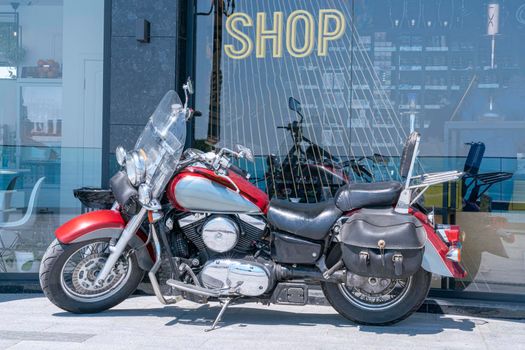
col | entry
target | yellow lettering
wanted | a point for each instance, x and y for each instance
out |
(275, 34)
(325, 34)
(246, 44)
(291, 33)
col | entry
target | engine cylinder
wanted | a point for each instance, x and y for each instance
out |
(220, 234)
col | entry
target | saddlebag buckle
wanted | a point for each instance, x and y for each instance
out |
(398, 263)
(364, 259)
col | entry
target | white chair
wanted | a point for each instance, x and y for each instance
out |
(9, 231)
(30, 207)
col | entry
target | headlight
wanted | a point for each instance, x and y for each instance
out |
(120, 154)
(135, 168)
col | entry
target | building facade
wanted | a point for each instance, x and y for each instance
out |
(80, 77)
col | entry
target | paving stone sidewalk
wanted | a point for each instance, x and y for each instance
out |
(31, 322)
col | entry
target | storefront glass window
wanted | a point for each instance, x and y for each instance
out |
(324, 82)
(50, 120)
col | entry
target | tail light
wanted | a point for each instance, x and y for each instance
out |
(452, 235)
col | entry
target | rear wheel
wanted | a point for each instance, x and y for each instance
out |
(378, 301)
(68, 273)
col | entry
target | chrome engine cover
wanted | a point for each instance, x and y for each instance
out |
(220, 234)
(236, 277)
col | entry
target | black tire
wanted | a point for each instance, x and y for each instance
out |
(412, 300)
(54, 259)
(409, 303)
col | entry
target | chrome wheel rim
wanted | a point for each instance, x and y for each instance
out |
(79, 272)
(376, 294)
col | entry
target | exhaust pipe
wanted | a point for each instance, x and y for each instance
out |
(285, 273)
(204, 292)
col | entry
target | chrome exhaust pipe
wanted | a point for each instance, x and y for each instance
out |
(205, 292)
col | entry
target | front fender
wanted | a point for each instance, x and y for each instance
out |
(105, 224)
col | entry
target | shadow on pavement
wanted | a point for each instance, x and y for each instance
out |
(4, 298)
(241, 316)
(418, 324)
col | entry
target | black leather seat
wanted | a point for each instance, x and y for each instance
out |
(313, 220)
(309, 220)
(367, 195)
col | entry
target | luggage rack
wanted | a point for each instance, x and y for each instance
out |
(415, 186)
(482, 182)
(424, 181)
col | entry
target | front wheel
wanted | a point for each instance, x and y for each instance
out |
(68, 273)
(378, 301)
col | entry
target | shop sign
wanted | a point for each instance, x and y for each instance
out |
(330, 25)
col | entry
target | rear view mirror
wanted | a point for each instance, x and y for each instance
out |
(188, 86)
(294, 105)
(244, 152)
(188, 90)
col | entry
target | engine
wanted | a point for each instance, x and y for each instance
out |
(214, 234)
(250, 278)
(227, 242)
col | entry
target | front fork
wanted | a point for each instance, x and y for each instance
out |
(116, 251)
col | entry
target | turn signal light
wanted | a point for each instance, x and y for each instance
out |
(454, 254)
(453, 235)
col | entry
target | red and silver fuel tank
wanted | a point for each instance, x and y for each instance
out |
(199, 189)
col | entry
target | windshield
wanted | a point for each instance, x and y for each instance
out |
(162, 141)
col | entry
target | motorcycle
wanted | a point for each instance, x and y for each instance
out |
(477, 211)
(308, 173)
(371, 247)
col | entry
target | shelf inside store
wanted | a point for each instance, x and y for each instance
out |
(488, 86)
(436, 87)
(385, 48)
(55, 139)
(409, 87)
(410, 48)
(432, 106)
(436, 48)
(39, 80)
(407, 107)
(436, 68)
(409, 68)
(361, 87)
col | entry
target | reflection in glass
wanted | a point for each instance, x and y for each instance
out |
(451, 70)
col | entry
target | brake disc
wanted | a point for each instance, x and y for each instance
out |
(85, 274)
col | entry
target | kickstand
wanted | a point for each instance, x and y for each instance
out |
(219, 316)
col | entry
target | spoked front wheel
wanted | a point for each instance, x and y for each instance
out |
(68, 273)
(378, 301)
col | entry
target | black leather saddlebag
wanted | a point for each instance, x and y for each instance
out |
(382, 243)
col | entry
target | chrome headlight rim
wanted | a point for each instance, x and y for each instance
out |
(135, 168)
(120, 155)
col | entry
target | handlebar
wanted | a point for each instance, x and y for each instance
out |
(239, 171)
